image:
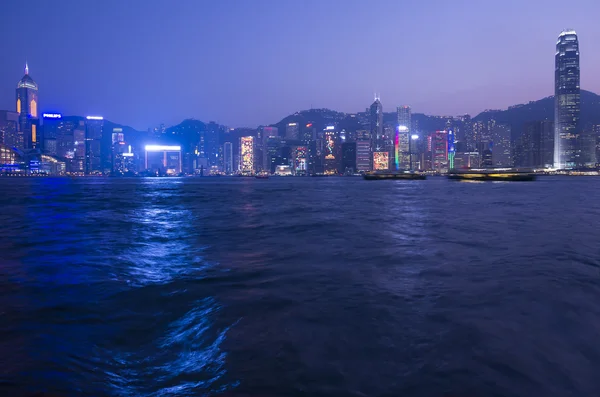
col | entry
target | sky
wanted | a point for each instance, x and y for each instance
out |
(244, 63)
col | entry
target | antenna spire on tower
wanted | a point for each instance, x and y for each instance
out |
(26, 68)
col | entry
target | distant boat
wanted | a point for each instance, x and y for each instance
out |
(508, 175)
(262, 175)
(377, 175)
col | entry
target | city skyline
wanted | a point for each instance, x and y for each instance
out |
(249, 76)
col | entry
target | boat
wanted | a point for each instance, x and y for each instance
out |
(507, 175)
(377, 175)
(262, 175)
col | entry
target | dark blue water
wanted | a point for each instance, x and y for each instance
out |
(303, 287)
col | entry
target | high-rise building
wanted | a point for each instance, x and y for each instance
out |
(9, 128)
(378, 141)
(535, 147)
(299, 160)
(349, 157)
(363, 155)
(332, 151)
(163, 159)
(292, 131)
(93, 144)
(27, 108)
(247, 155)
(228, 157)
(566, 101)
(438, 146)
(501, 145)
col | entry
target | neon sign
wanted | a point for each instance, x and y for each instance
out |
(52, 116)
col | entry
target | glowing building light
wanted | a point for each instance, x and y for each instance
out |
(95, 118)
(330, 127)
(414, 137)
(162, 148)
(247, 154)
(52, 116)
(402, 128)
(380, 160)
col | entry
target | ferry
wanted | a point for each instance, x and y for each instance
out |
(262, 175)
(376, 175)
(503, 174)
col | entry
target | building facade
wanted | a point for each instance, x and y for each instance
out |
(566, 101)
(27, 107)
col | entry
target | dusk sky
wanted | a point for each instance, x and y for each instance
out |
(245, 63)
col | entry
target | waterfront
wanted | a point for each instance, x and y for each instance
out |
(299, 286)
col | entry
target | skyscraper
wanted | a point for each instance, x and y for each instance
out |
(9, 128)
(228, 157)
(376, 125)
(566, 101)
(27, 108)
(93, 144)
(292, 131)
(501, 145)
(378, 142)
(247, 155)
(403, 133)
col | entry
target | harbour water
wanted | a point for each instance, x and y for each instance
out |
(299, 287)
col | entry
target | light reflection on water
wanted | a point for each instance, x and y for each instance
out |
(110, 280)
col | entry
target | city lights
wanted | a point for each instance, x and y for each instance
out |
(162, 148)
(95, 118)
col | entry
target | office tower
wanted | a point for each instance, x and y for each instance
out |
(363, 155)
(349, 157)
(438, 146)
(535, 147)
(451, 147)
(379, 146)
(404, 117)
(332, 151)
(9, 128)
(93, 144)
(163, 159)
(292, 131)
(27, 108)
(299, 160)
(50, 131)
(403, 133)
(228, 158)
(501, 145)
(308, 133)
(77, 163)
(566, 101)
(247, 155)
(264, 135)
(210, 144)
(376, 125)
(586, 144)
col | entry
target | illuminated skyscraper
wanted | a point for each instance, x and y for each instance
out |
(438, 146)
(292, 131)
(27, 108)
(9, 127)
(501, 146)
(247, 155)
(228, 157)
(332, 151)
(403, 133)
(363, 155)
(93, 144)
(566, 101)
(376, 126)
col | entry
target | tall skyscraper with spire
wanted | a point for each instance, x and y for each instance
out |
(27, 108)
(378, 143)
(566, 101)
